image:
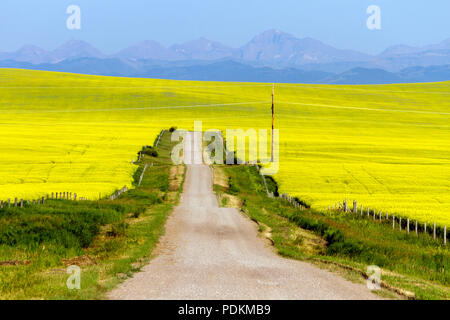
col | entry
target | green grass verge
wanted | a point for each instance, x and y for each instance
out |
(108, 240)
(416, 264)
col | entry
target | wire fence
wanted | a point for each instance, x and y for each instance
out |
(398, 223)
(21, 203)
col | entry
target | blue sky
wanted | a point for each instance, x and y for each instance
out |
(111, 25)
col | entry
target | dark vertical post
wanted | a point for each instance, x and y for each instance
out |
(273, 92)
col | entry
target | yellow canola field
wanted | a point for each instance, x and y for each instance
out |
(386, 146)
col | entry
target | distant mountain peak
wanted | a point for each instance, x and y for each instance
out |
(31, 47)
(75, 44)
(201, 40)
(74, 41)
(27, 53)
(203, 49)
(269, 32)
(31, 50)
(276, 48)
(73, 49)
(446, 42)
(272, 35)
(147, 50)
(398, 49)
(199, 43)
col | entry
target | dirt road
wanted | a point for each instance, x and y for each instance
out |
(215, 253)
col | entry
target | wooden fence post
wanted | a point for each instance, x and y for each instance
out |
(43, 200)
(1, 204)
(380, 215)
(361, 209)
(9, 203)
(400, 223)
(425, 228)
(434, 230)
(417, 232)
(393, 222)
(445, 235)
(407, 225)
(355, 206)
(15, 202)
(21, 203)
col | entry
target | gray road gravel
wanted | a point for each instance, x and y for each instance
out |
(215, 253)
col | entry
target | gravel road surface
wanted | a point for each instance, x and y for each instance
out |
(209, 252)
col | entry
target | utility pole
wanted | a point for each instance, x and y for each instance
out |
(273, 92)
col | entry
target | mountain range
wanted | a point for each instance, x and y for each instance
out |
(270, 56)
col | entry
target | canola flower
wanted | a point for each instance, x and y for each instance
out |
(387, 146)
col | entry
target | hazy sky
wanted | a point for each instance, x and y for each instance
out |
(111, 25)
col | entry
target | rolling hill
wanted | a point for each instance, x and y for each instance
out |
(231, 70)
(385, 146)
